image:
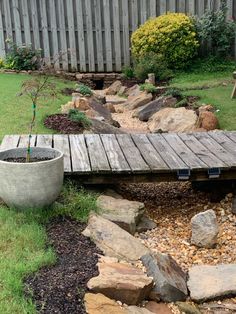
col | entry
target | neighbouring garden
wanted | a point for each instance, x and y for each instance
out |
(126, 248)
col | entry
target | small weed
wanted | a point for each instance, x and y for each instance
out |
(149, 88)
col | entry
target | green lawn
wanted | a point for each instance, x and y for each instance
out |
(15, 111)
(218, 94)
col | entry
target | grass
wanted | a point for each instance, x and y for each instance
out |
(23, 245)
(214, 89)
(16, 112)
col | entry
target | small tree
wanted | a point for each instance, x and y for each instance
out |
(40, 86)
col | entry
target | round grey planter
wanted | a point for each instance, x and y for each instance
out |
(31, 185)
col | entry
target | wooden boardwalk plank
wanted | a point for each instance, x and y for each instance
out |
(201, 151)
(132, 154)
(24, 139)
(150, 155)
(10, 141)
(231, 135)
(61, 142)
(167, 153)
(216, 149)
(114, 153)
(44, 141)
(79, 154)
(97, 153)
(224, 141)
(184, 152)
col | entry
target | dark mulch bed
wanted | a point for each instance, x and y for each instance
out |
(61, 123)
(61, 288)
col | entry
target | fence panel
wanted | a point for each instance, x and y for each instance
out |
(87, 35)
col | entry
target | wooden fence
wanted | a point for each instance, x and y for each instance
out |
(88, 35)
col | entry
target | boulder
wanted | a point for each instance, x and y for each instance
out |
(112, 193)
(124, 213)
(205, 229)
(100, 96)
(144, 113)
(173, 120)
(102, 127)
(113, 240)
(208, 121)
(158, 308)
(82, 103)
(100, 304)
(145, 224)
(169, 278)
(122, 90)
(114, 88)
(140, 100)
(133, 91)
(121, 282)
(115, 100)
(210, 282)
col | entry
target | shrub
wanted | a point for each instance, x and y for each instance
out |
(78, 116)
(1, 63)
(152, 63)
(128, 72)
(172, 35)
(147, 87)
(84, 90)
(182, 103)
(174, 92)
(215, 28)
(22, 57)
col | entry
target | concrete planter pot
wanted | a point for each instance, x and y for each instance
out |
(31, 185)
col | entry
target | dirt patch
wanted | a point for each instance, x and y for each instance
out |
(23, 160)
(67, 91)
(61, 123)
(61, 288)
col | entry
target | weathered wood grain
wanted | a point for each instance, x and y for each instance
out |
(9, 141)
(44, 141)
(79, 154)
(24, 139)
(61, 142)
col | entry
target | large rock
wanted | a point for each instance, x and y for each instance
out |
(113, 240)
(173, 120)
(102, 127)
(205, 229)
(144, 113)
(169, 278)
(140, 100)
(114, 88)
(67, 107)
(209, 282)
(82, 103)
(133, 91)
(121, 282)
(115, 100)
(124, 213)
(208, 121)
(103, 112)
(100, 304)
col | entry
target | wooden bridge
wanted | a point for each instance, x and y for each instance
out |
(110, 158)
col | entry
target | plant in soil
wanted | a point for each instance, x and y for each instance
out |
(37, 88)
(84, 90)
(78, 116)
(147, 87)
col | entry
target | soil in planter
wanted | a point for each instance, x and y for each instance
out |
(61, 123)
(61, 288)
(23, 160)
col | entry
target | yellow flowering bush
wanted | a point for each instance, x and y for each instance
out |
(173, 35)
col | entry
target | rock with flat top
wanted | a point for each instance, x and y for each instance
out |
(102, 127)
(205, 229)
(169, 278)
(124, 213)
(113, 240)
(140, 100)
(121, 282)
(114, 88)
(100, 304)
(210, 282)
(133, 91)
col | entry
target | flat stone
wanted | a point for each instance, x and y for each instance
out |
(121, 282)
(138, 310)
(115, 100)
(113, 240)
(145, 224)
(144, 113)
(124, 213)
(173, 120)
(209, 282)
(100, 304)
(140, 100)
(205, 229)
(102, 127)
(112, 193)
(158, 308)
(133, 91)
(169, 278)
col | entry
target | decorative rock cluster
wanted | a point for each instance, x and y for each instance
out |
(130, 273)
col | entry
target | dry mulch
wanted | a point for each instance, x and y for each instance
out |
(60, 288)
(172, 205)
(61, 123)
